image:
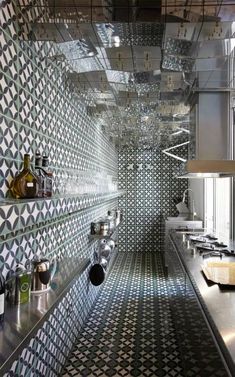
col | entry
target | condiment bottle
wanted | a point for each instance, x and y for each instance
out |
(49, 178)
(25, 184)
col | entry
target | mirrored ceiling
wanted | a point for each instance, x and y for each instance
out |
(138, 63)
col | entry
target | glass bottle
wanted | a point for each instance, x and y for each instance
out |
(2, 298)
(41, 175)
(25, 184)
(49, 176)
(111, 221)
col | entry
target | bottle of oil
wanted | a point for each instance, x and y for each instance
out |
(49, 176)
(25, 184)
(41, 176)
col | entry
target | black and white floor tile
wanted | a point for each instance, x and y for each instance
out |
(131, 330)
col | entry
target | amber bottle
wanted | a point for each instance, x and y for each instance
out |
(25, 184)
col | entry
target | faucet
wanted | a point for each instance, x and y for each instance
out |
(193, 204)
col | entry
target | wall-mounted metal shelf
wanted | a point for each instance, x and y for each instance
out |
(93, 237)
(19, 214)
(23, 321)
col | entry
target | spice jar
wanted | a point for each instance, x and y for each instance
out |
(104, 228)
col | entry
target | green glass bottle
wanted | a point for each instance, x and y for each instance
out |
(25, 185)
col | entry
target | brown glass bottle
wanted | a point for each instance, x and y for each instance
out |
(25, 185)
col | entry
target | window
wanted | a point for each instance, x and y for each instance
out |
(209, 205)
(218, 207)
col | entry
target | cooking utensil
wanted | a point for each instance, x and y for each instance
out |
(198, 239)
(205, 247)
(111, 244)
(219, 244)
(95, 228)
(218, 252)
(43, 271)
(229, 253)
(211, 237)
(104, 228)
(97, 274)
(104, 251)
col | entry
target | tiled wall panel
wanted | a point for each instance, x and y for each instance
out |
(39, 112)
(39, 107)
(148, 176)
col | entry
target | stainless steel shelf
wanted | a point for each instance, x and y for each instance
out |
(23, 321)
(19, 214)
(93, 237)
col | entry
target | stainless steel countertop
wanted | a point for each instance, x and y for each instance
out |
(219, 303)
(22, 322)
(188, 217)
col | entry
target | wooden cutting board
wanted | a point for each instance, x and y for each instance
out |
(220, 272)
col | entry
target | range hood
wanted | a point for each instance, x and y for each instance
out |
(210, 125)
(208, 169)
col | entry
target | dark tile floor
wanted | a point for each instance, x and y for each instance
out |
(131, 331)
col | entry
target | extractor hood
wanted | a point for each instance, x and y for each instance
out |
(212, 138)
(208, 169)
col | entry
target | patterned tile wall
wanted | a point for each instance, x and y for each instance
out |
(19, 214)
(63, 237)
(151, 193)
(39, 112)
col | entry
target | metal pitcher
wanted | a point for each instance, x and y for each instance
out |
(43, 271)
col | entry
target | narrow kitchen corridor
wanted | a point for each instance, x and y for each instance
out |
(131, 332)
(117, 150)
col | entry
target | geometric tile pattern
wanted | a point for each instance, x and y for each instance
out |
(38, 111)
(23, 214)
(151, 195)
(132, 329)
(62, 237)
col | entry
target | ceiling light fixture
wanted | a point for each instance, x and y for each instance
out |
(166, 151)
(180, 131)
